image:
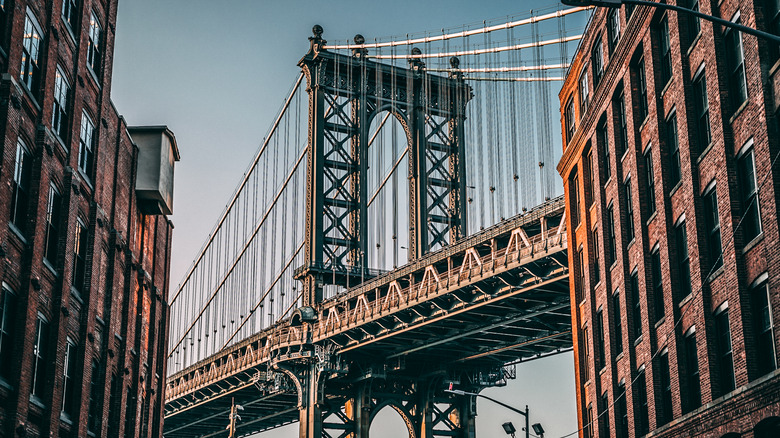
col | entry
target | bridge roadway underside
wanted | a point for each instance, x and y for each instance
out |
(459, 315)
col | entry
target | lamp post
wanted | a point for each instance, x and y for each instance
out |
(505, 425)
(718, 20)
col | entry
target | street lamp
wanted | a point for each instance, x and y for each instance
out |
(718, 20)
(508, 425)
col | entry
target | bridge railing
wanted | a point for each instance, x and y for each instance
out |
(332, 321)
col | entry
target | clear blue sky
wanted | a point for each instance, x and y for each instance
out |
(217, 72)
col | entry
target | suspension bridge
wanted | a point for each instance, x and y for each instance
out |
(319, 297)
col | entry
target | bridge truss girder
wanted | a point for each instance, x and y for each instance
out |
(345, 94)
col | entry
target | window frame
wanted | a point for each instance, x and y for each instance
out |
(682, 256)
(94, 40)
(60, 118)
(727, 381)
(747, 197)
(40, 347)
(763, 333)
(692, 374)
(87, 139)
(630, 229)
(673, 145)
(636, 304)
(81, 242)
(665, 45)
(20, 186)
(701, 108)
(70, 14)
(712, 226)
(617, 322)
(30, 71)
(650, 179)
(659, 305)
(69, 375)
(8, 304)
(53, 220)
(736, 74)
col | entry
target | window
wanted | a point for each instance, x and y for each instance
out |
(59, 122)
(93, 47)
(95, 394)
(591, 162)
(580, 286)
(599, 329)
(621, 142)
(725, 354)
(629, 210)
(642, 422)
(574, 193)
(735, 58)
(650, 175)
(597, 57)
(611, 235)
(3, 21)
(617, 322)
(113, 405)
(694, 25)
(68, 377)
(613, 28)
(636, 305)
(20, 186)
(586, 361)
(53, 220)
(641, 80)
(746, 175)
(621, 411)
(683, 263)
(666, 51)
(40, 353)
(665, 413)
(588, 429)
(658, 284)
(763, 329)
(692, 384)
(712, 222)
(596, 265)
(80, 256)
(70, 13)
(701, 110)
(7, 314)
(584, 92)
(87, 145)
(673, 145)
(30, 74)
(604, 416)
(602, 138)
(571, 126)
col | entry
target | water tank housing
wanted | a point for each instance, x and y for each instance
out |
(157, 154)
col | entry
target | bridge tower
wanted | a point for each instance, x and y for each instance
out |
(345, 94)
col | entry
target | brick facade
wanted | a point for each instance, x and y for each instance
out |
(689, 298)
(79, 261)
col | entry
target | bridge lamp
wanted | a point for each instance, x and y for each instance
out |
(509, 428)
(538, 429)
(718, 20)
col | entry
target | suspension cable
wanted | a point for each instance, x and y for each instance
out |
(462, 34)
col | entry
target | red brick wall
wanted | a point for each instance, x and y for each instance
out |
(119, 318)
(743, 263)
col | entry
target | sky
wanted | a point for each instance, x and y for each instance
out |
(217, 74)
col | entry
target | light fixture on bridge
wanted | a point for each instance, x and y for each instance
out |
(509, 428)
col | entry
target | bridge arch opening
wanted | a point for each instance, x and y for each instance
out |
(387, 188)
(389, 422)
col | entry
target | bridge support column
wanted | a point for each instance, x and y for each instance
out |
(310, 419)
(445, 416)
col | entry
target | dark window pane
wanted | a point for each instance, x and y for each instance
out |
(725, 359)
(713, 228)
(692, 383)
(751, 224)
(666, 51)
(650, 181)
(764, 330)
(683, 264)
(673, 146)
(617, 322)
(7, 314)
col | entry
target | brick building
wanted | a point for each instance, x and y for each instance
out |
(84, 240)
(670, 131)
